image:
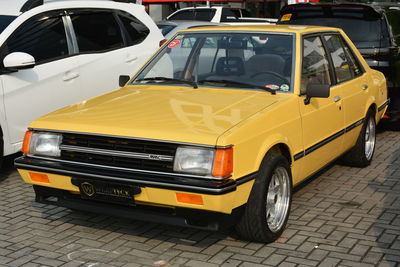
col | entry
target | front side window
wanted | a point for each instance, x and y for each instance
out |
(340, 63)
(42, 36)
(238, 60)
(315, 67)
(97, 32)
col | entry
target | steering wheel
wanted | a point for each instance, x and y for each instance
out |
(281, 77)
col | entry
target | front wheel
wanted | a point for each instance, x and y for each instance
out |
(268, 207)
(361, 154)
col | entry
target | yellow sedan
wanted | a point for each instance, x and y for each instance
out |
(214, 130)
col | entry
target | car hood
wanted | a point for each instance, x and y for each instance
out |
(174, 113)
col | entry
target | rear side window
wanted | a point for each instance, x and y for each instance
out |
(229, 15)
(42, 36)
(97, 32)
(203, 14)
(315, 66)
(339, 58)
(135, 29)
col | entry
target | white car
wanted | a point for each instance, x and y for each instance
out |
(62, 52)
(217, 14)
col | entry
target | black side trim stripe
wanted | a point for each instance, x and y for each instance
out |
(246, 178)
(323, 142)
(384, 105)
(327, 140)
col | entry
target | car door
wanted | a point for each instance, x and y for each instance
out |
(51, 84)
(322, 118)
(354, 86)
(110, 43)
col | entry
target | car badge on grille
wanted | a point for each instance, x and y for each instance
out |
(155, 157)
(88, 189)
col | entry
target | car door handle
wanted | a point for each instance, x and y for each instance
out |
(337, 98)
(70, 76)
(131, 59)
(364, 87)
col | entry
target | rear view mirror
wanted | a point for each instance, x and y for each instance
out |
(316, 90)
(18, 61)
(123, 79)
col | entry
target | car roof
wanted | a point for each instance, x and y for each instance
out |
(11, 7)
(265, 28)
(368, 10)
(17, 7)
(186, 23)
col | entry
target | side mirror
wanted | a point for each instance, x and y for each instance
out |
(18, 61)
(123, 79)
(316, 90)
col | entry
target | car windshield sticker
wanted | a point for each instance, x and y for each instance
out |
(174, 43)
(285, 87)
(286, 17)
(272, 86)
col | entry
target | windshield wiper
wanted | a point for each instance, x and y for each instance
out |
(193, 84)
(241, 84)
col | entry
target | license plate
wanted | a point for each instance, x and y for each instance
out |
(107, 191)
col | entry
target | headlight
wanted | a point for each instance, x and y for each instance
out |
(44, 144)
(204, 161)
(194, 160)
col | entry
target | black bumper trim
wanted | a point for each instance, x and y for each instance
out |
(205, 186)
(184, 217)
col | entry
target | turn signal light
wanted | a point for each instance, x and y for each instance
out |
(189, 198)
(163, 41)
(27, 140)
(39, 177)
(223, 162)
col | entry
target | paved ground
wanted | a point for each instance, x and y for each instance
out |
(344, 217)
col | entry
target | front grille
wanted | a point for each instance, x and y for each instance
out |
(118, 152)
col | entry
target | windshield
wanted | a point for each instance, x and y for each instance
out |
(227, 60)
(5, 21)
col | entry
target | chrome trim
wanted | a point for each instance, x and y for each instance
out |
(131, 138)
(146, 182)
(128, 169)
(118, 153)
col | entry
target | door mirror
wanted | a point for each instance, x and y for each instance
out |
(18, 61)
(316, 90)
(123, 79)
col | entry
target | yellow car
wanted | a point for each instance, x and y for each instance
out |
(214, 130)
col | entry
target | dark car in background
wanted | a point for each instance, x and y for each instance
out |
(373, 28)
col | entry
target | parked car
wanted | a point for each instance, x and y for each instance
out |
(218, 139)
(217, 14)
(62, 52)
(369, 28)
(169, 27)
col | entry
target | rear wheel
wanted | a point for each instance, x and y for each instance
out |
(361, 154)
(1, 150)
(268, 207)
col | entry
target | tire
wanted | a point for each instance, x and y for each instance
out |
(362, 153)
(259, 223)
(1, 150)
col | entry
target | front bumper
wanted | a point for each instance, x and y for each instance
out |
(185, 217)
(221, 196)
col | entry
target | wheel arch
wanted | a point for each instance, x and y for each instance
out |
(277, 145)
(371, 105)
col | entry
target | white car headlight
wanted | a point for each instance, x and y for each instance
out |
(194, 160)
(45, 144)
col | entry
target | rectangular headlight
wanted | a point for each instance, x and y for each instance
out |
(45, 144)
(194, 160)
